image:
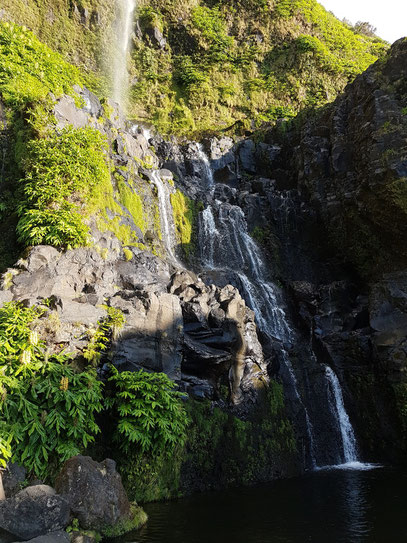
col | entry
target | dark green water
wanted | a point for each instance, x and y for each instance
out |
(328, 507)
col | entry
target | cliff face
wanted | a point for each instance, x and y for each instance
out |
(199, 67)
(246, 270)
(349, 166)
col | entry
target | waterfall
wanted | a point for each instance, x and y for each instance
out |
(229, 242)
(124, 27)
(205, 165)
(166, 214)
(337, 405)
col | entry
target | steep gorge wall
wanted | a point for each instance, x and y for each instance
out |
(345, 172)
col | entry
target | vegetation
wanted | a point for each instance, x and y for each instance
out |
(48, 409)
(29, 70)
(220, 450)
(99, 339)
(185, 217)
(240, 63)
(149, 410)
(61, 173)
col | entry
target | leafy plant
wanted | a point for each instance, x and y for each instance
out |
(61, 174)
(149, 411)
(107, 329)
(29, 70)
(47, 407)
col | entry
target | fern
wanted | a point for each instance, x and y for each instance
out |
(149, 412)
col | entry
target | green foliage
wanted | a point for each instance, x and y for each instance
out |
(29, 70)
(150, 412)
(185, 216)
(232, 64)
(48, 409)
(61, 174)
(107, 329)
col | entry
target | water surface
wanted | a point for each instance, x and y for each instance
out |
(330, 506)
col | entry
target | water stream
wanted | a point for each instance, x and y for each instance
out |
(166, 215)
(124, 28)
(227, 248)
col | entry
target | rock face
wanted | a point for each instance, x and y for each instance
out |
(345, 261)
(94, 492)
(33, 512)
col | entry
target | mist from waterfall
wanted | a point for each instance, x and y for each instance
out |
(123, 32)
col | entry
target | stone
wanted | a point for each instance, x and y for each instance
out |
(54, 537)
(34, 511)
(66, 113)
(247, 150)
(40, 257)
(13, 476)
(94, 491)
(152, 336)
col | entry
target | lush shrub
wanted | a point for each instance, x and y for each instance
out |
(47, 408)
(61, 173)
(149, 411)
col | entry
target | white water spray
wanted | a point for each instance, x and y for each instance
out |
(124, 27)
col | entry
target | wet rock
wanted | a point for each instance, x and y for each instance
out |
(34, 511)
(94, 492)
(247, 151)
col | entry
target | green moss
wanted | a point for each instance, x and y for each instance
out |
(138, 518)
(133, 203)
(127, 253)
(185, 217)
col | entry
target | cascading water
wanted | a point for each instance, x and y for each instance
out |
(206, 167)
(227, 248)
(228, 240)
(166, 214)
(337, 405)
(124, 26)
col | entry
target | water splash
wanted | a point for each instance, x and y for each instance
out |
(124, 27)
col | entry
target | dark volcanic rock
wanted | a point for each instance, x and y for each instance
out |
(94, 492)
(34, 511)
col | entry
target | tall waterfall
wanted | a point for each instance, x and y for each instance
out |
(124, 27)
(337, 405)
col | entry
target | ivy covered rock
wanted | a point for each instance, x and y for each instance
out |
(97, 497)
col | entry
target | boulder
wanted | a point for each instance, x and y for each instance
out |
(54, 537)
(95, 493)
(13, 476)
(34, 511)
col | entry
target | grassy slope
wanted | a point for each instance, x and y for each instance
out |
(225, 61)
(244, 61)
